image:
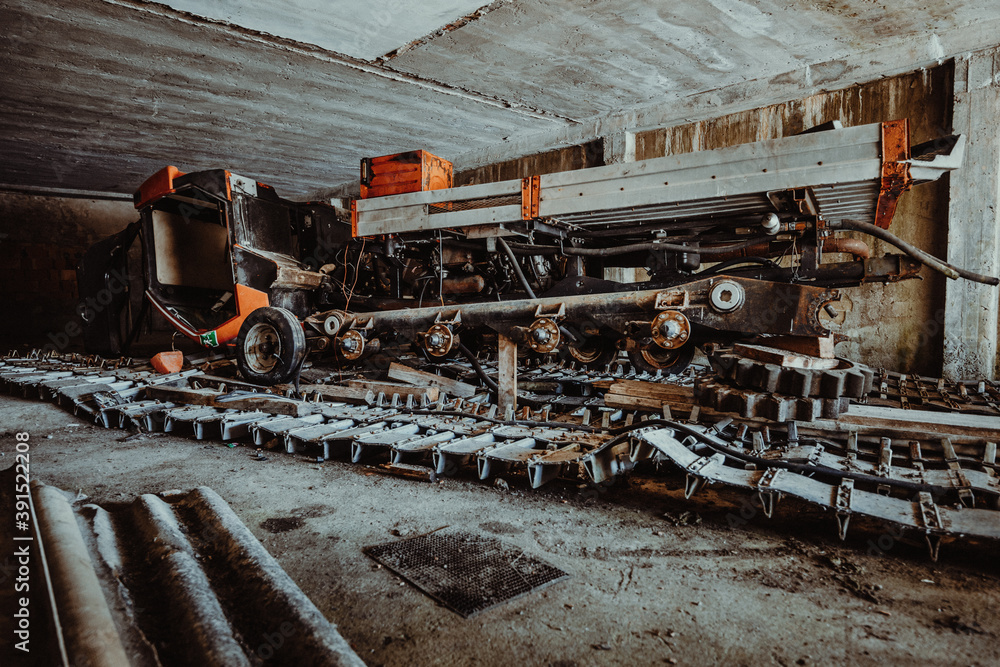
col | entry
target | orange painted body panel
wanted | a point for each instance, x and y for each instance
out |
(157, 185)
(247, 301)
(413, 171)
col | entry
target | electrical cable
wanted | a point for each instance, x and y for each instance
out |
(487, 380)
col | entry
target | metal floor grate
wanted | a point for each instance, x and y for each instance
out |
(465, 572)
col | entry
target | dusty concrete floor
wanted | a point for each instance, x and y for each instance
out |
(646, 586)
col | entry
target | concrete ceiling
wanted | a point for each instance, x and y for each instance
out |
(98, 94)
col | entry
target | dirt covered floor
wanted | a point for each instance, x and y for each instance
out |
(655, 579)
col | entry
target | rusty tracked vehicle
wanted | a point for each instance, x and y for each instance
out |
(736, 242)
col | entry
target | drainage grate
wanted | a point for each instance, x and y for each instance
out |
(467, 573)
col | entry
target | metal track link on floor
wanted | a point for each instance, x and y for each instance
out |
(937, 484)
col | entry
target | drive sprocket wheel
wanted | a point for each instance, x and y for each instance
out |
(847, 380)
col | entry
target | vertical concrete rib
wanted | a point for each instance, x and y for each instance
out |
(971, 309)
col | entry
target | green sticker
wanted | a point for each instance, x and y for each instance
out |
(209, 339)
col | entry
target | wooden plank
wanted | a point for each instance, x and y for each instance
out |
(276, 405)
(861, 413)
(638, 403)
(773, 355)
(272, 403)
(390, 388)
(414, 472)
(507, 380)
(423, 379)
(651, 389)
(335, 393)
(810, 346)
(184, 395)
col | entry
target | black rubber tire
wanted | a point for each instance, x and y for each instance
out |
(594, 352)
(669, 362)
(271, 346)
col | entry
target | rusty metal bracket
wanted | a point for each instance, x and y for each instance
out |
(530, 189)
(895, 171)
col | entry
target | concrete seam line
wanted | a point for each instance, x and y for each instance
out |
(240, 548)
(91, 634)
(332, 57)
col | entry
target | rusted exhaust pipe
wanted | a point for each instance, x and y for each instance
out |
(855, 247)
(471, 284)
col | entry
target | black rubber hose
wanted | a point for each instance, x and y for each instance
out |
(517, 267)
(916, 253)
(736, 261)
(487, 380)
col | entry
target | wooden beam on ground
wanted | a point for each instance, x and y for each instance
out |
(810, 346)
(423, 379)
(923, 421)
(390, 388)
(774, 355)
(276, 405)
(272, 403)
(184, 395)
(334, 393)
(637, 395)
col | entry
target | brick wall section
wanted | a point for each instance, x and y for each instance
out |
(41, 242)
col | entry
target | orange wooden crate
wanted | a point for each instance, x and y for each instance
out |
(404, 172)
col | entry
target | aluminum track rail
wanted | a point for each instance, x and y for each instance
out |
(843, 168)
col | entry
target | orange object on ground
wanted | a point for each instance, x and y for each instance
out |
(404, 172)
(168, 362)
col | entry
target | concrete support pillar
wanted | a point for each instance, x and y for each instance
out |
(619, 147)
(971, 309)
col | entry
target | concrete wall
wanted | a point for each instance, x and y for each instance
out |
(973, 310)
(41, 242)
(583, 156)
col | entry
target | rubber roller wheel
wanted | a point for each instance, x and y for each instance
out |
(593, 352)
(668, 362)
(271, 346)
